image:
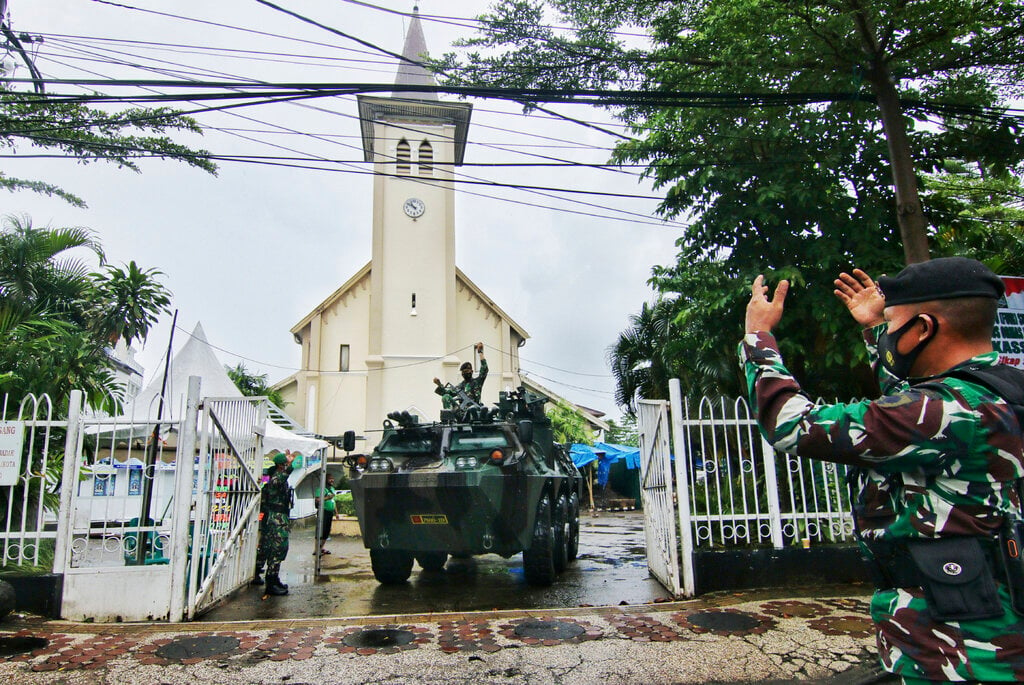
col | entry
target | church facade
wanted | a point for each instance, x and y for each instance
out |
(376, 343)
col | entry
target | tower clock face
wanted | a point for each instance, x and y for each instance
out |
(414, 207)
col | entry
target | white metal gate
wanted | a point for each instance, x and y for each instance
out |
(734, 490)
(144, 520)
(656, 494)
(226, 526)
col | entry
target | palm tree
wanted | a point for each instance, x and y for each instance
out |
(57, 317)
(35, 268)
(129, 301)
(639, 359)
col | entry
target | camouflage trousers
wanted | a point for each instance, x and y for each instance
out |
(273, 547)
(918, 648)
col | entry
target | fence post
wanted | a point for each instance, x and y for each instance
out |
(679, 447)
(771, 482)
(183, 469)
(68, 482)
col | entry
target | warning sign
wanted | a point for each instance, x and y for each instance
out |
(12, 436)
(1008, 337)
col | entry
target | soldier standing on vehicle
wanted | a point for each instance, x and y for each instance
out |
(471, 386)
(936, 460)
(275, 504)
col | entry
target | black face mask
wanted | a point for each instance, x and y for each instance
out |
(897, 364)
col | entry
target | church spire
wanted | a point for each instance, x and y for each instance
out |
(410, 71)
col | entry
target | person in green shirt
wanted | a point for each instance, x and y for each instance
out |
(326, 501)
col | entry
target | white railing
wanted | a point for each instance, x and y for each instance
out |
(31, 458)
(744, 493)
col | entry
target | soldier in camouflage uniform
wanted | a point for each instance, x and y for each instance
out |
(275, 503)
(471, 386)
(938, 457)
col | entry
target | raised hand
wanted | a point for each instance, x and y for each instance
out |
(764, 314)
(862, 298)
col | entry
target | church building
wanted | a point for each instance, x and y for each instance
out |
(410, 315)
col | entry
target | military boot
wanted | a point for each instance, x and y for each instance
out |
(274, 586)
(257, 578)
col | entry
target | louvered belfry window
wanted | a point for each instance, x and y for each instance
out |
(426, 159)
(403, 157)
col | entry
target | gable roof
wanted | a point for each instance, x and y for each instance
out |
(364, 272)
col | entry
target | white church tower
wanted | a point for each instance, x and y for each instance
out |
(410, 315)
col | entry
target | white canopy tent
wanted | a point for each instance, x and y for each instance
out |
(196, 358)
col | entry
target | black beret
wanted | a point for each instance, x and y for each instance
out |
(946, 278)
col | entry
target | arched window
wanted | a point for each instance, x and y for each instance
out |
(426, 159)
(403, 157)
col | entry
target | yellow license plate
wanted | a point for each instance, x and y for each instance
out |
(429, 519)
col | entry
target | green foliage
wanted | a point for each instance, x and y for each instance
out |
(253, 385)
(568, 425)
(795, 190)
(90, 135)
(344, 505)
(57, 317)
(623, 432)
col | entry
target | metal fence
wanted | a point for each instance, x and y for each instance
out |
(31, 461)
(734, 490)
(742, 492)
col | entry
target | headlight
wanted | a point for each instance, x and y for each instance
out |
(466, 463)
(380, 466)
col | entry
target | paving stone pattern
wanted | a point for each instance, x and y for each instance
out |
(95, 646)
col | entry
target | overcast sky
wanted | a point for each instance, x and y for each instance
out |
(251, 251)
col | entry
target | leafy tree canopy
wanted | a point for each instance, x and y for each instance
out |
(58, 318)
(65, 126)
(799, 191)
(568, 424)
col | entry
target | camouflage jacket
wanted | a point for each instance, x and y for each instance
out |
(276, 495)
(472, 387)
(939, 456)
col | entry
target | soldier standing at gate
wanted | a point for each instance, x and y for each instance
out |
(275, 504)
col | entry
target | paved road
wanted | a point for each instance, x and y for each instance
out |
(611, 570)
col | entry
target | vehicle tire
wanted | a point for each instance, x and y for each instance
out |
(573, 546)
(539, 559)
(432, 561)
(390, 566)
(560, 523)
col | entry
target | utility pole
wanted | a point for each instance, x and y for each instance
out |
(14, 43)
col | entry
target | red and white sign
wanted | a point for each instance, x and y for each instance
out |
(1008, 337)
(12, 437)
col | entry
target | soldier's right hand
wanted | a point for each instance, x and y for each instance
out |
(437, 381)
(862, 298)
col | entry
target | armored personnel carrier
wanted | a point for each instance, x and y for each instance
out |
(482, 480)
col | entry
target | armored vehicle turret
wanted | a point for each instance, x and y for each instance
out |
(480, 481)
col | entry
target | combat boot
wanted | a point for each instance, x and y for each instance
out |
(274, 586)
(257, 578)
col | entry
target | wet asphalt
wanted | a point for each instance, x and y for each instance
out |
(611, 570)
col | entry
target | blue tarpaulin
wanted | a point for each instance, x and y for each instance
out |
(613, 454)
(583, 455)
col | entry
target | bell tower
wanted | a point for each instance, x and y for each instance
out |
(415, 140)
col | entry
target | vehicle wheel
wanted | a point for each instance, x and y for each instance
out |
(390, 566)
(432, 561)
(560, 523)
(539, 559)
(573, 546)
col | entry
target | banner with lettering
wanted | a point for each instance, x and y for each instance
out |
(1008, 337)
(12, 437)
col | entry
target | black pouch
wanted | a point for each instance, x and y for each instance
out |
(956, 578)
(1011, 548)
